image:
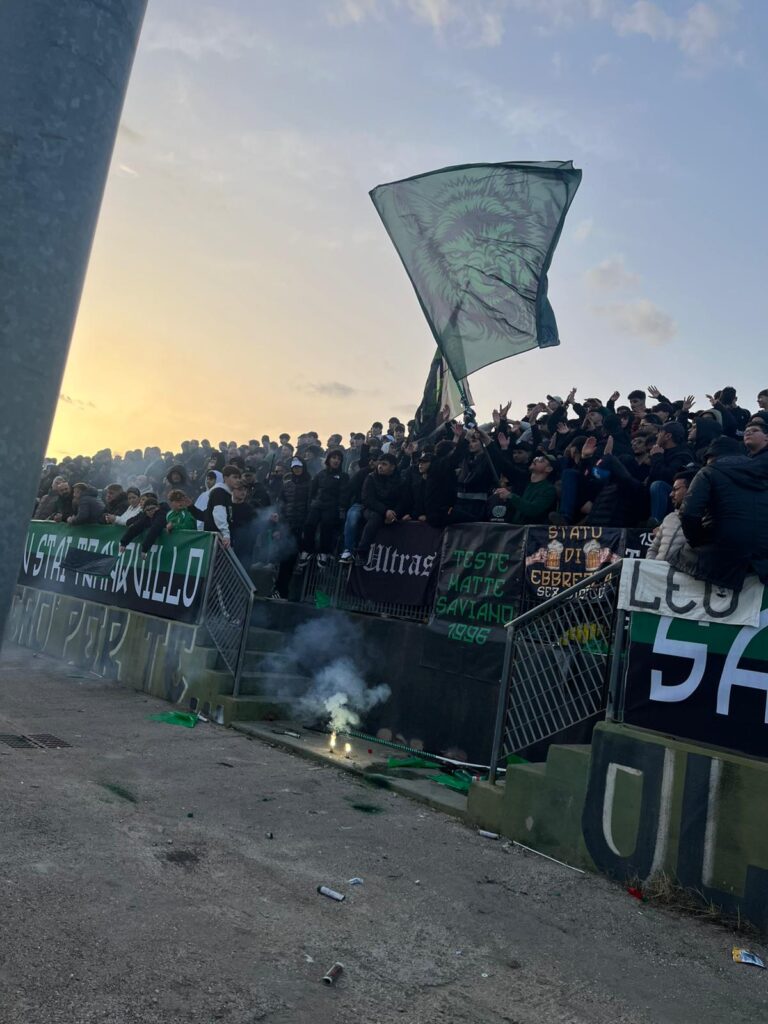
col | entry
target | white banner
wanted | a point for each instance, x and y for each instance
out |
(654, 586)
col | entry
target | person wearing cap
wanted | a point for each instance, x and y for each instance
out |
(669, 455)
(413, 500)
(537, 500)
(292, 501)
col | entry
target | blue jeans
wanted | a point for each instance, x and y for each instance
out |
(352, 526)
(659, 492)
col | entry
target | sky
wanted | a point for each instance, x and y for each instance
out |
(241, 282)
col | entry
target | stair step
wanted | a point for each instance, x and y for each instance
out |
(265, 639)
(566, 760)
(272, 686)
(254, 709)
(270, 661)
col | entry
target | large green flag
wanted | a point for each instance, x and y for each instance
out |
(477, 242)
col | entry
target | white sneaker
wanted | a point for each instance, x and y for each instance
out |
(322, 561)
(347, 556)
(304, 558)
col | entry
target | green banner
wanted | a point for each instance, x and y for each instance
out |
(169, 582)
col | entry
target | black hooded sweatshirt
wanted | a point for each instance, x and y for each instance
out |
(330, 491)
(293, 499)
(725, 521)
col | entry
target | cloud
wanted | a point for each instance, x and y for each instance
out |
(332, 389)
(611, 275)
(211, 33)
(696, 31)
(76, 403)
(127, 133)
(474, 22)
(640, 318)
(604, 61)
(529, 118)
(583, 230)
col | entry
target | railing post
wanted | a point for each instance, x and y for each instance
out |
(615, 706)
(501, 704)
(243, 646)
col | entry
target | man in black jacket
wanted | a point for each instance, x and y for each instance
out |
(725, 521)
(150, 521)
(669, 456)
(381, 497)
(327, 510)
(86, 507)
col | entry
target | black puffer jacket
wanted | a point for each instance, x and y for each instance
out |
(381, 493)
(620, 500)
(665, 466)
(442, 485)
(154, 526)
(725, 521)
(88, 509)
(330, 491)
(294, 499)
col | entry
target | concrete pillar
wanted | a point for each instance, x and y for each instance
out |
(64, 69)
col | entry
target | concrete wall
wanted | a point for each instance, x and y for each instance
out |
(637, 803)
(450, 713)
(145, 652)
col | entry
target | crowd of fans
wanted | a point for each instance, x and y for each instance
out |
(699, 479)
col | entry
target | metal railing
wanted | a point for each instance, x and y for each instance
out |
(327, 586)
(227, 608)
(560, 662)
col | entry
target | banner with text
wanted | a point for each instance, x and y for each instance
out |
(702, 681)
(399, 565)
(169, 582)
(656, 587)
(558, 557)
(479, 584)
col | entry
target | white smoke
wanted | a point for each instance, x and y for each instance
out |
(330, 652)
(340, 691)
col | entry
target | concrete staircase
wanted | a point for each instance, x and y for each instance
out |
(269, 684)
(540, 804)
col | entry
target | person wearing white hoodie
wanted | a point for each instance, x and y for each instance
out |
(213, 478)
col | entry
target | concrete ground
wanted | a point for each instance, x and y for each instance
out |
(154, 873)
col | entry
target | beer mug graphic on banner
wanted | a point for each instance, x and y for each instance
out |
(554, 554)
(591, 555)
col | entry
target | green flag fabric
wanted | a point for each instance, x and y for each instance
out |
(477, 242)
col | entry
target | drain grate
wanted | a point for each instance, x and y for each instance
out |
(20, 742)
(40, 741)
(44, 739)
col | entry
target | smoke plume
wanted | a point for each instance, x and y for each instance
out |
(340, 685)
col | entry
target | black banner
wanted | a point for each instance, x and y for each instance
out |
(85, 562)
(479, 585)
(558, 557)
(399, 566)
(637, 543)
(706, 682)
